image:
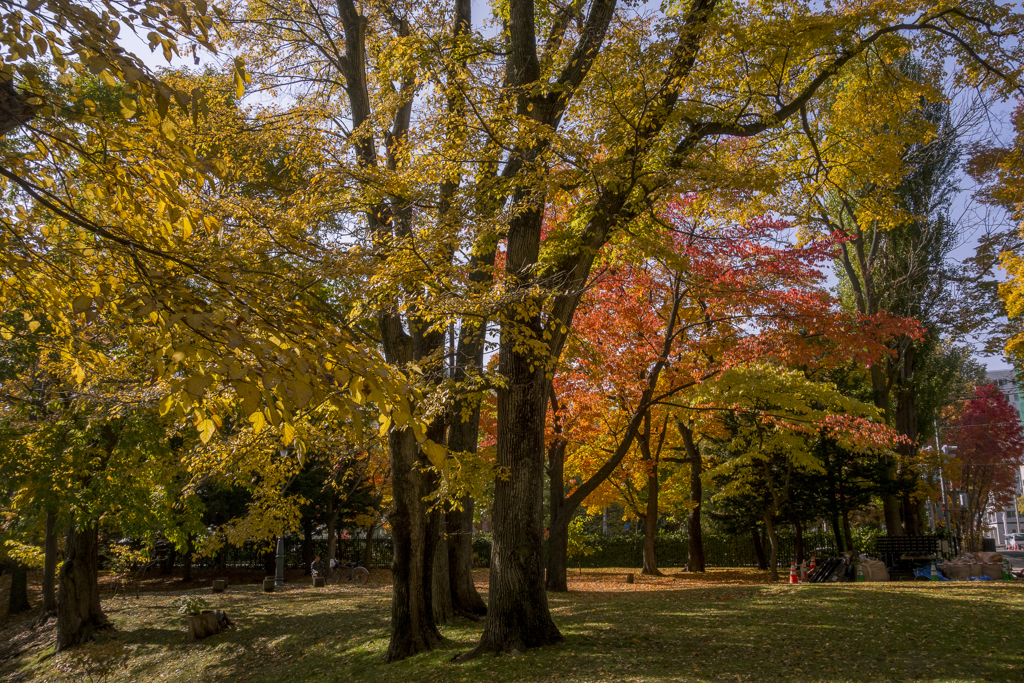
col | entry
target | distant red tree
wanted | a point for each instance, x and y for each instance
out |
(990, 449)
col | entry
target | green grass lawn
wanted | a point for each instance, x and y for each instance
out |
(727, 627)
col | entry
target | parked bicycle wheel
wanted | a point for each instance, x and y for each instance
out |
(360, 576)
(335, 577)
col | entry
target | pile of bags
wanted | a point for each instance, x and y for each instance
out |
(968, 566)
(874, 570)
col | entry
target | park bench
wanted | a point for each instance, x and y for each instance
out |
(903, 554)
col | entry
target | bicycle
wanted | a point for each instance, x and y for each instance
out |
(352, 573)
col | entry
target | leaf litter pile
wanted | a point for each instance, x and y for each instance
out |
(725, 625)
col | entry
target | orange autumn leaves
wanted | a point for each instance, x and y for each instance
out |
(745, 296)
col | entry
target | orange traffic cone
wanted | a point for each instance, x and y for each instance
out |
(793, 578)
(813, 565)
(803, 572)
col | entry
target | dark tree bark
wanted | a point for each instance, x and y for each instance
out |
(556, 571)
(695, 538)
(18, 599)
(441, 592)
(906, 423)
(15, 111)
(755, 537)
(166, 552)
(837, 531)
(368, 550)
(846, 531)
(650, 459)
(78, 597)
(412, 623)
(50, 566)
(465, 598)
(651, 525)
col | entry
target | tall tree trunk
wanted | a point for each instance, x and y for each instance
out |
(558, 556)
(518, 616)
(464, 436)
(651, 513)
(798, 541)
(78, 597)
(50, 565)
(465, 598)
(371, 528)
(906, 423)
(18, 600)
(890, 499)
(755, 537)
(412, 622)
(695, 537)
(556, 572)
(837, 531)
(440, 586)
(847, 532)
(651, 524)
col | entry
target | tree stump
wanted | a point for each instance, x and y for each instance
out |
(629, 578)
(219, 585)
(210, 624)
(268, 585)
(319, 581)
(196, 629)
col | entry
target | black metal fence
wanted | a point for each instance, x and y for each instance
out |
(255, 556)
(609, 551)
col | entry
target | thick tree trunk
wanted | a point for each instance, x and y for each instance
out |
(837, 531)
(695, 538)
(464, 436)
(558, 556)
(371, 529)
(78, 598)
(650, 517)
(557, 561)
(911, 516)
(518, 616)
(846, 530)
(465, 598)
(755, 538)
(440, 581)
(890, 500)
(651, 525)
(18, 600)
(906, 423)
(798, 541)
(412, 623)
(15, 109)
(50, 565)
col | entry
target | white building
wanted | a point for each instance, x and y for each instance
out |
(1007, 521)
